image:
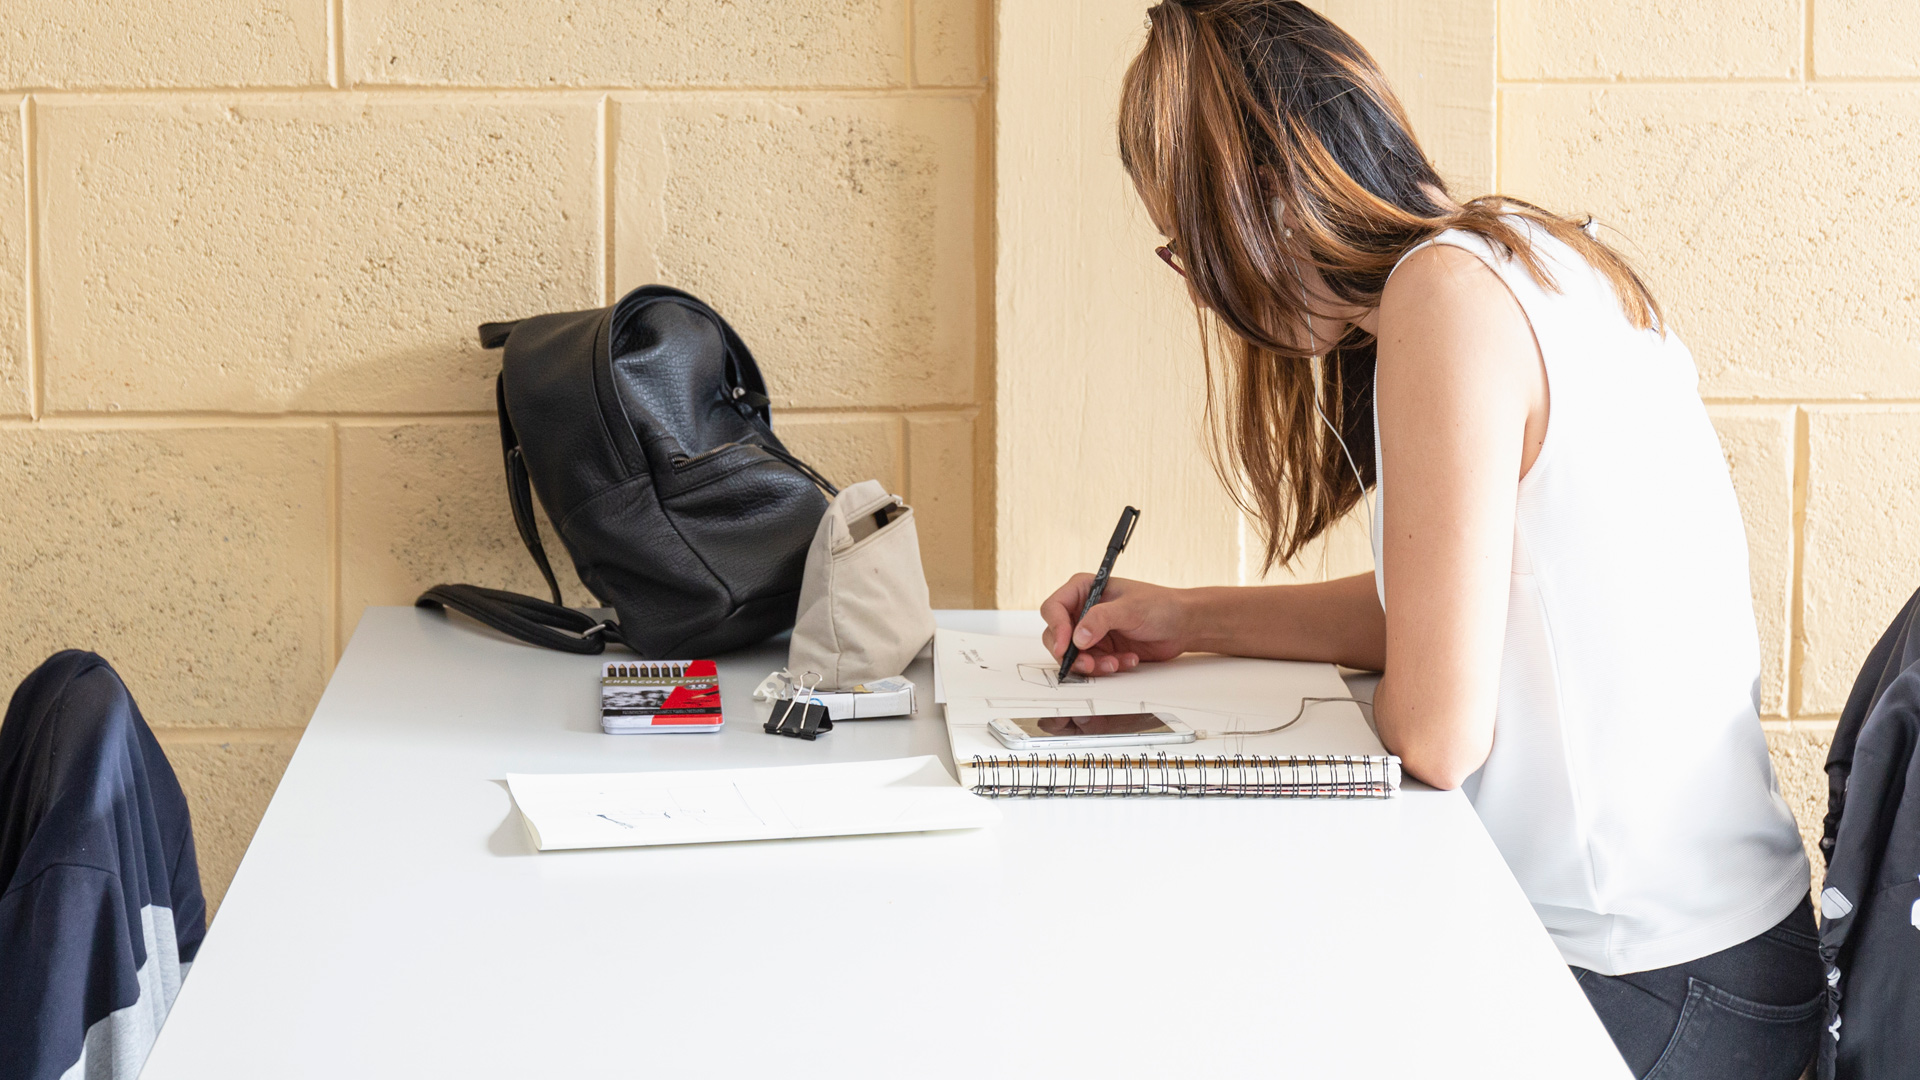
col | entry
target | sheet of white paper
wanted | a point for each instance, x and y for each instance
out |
(588, 810)
(988, 675)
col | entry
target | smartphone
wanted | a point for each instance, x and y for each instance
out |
(1113, 729)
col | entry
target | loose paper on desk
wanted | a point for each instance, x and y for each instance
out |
(589, 810)
(984, 676)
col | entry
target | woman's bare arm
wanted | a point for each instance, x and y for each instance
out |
(1335, 621)
(1463, 410)
(1338, 622)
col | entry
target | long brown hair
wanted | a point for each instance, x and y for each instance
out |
(1233, 109)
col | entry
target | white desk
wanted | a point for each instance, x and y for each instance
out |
(391, 918)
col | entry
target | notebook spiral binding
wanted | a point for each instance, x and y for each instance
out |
(1238, 776)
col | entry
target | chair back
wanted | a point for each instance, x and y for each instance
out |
(100, 903)
(1870, 900)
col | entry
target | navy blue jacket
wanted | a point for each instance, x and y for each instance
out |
(96, 852)
(1870, 906)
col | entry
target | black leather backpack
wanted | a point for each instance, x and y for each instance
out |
(645, 429)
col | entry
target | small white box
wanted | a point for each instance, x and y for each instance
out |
(874, 700)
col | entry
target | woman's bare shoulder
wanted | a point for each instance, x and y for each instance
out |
(1444, 293)
(1441, 271)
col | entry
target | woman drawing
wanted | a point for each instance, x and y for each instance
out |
(1560, 606)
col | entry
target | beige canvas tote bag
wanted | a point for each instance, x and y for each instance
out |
(864, 610)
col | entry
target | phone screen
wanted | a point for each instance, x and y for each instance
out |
(1115, 724)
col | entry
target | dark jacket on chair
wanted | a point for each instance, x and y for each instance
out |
(1870, 907)
(100, 904)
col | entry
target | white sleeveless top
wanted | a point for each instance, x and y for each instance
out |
(1629, 787)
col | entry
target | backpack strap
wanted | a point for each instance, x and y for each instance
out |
(520, 489)
(528, 618)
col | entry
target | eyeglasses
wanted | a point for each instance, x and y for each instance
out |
(1171, 258)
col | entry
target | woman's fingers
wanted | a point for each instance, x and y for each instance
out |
(1059, 611)
(1115, 613)
(1110, 637)
(1106, 663)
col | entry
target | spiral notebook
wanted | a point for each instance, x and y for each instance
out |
(1331, 751)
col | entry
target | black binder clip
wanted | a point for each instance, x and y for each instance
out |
(800, 716)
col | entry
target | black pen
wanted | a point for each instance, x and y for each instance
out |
(1121, 534)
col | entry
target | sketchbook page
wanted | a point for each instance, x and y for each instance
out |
(589, 810)
(1003, 673)
(988, 676)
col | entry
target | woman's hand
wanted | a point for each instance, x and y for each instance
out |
(1133, 621)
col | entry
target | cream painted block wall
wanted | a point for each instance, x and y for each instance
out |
(1865, 38)
(313, 253)
(1758, 441)
(1774, 221)
(856, 272)
(16, 379)
(243, 253)
(1862, 551)
(1651, 39)
(95, 44)
(1098, 378)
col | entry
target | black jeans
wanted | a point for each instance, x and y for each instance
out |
(1751, 1012)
